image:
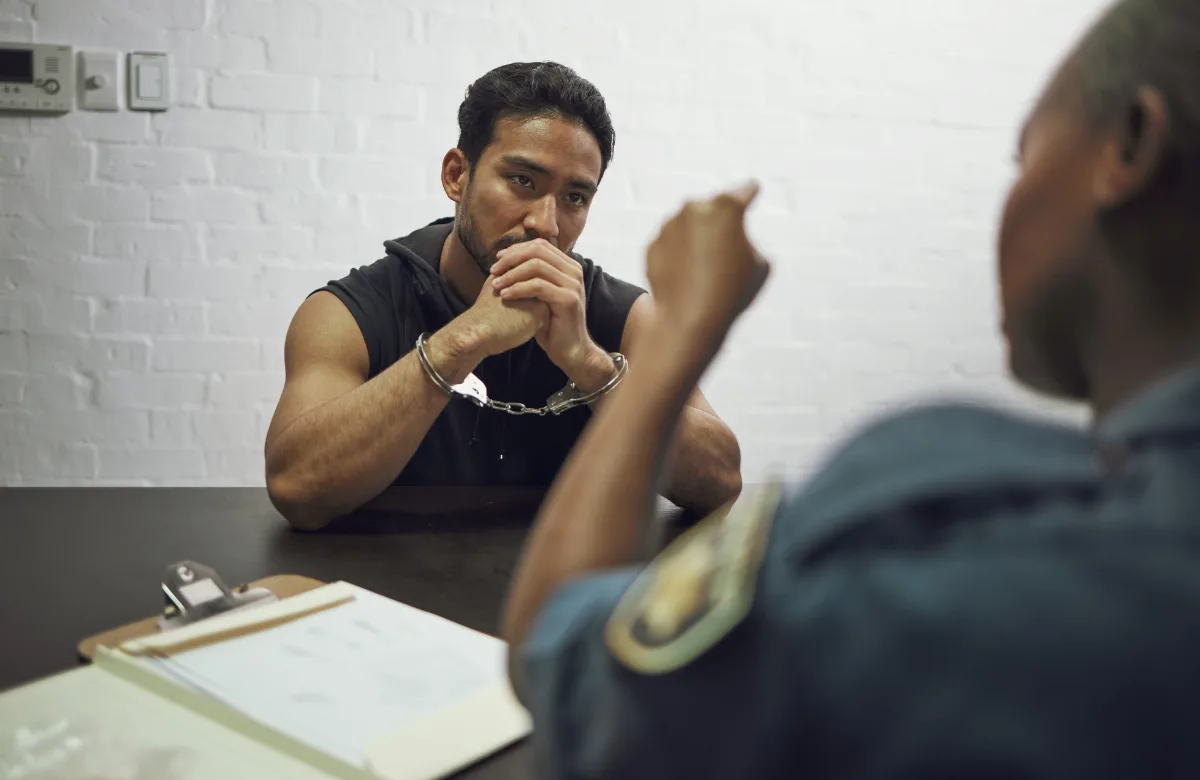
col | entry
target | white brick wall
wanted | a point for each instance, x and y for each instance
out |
(149, 264)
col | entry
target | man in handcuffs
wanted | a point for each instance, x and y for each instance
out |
(475, 351)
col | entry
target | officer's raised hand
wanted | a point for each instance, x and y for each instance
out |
(702, 269)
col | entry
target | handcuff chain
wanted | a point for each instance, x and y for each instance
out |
(517, 409)
(473, 390)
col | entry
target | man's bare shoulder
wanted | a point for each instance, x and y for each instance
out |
(323, 331)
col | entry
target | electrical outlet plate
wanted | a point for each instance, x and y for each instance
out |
(99, 77)
(149, 81)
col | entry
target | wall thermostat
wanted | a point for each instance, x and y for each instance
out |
(36, 78)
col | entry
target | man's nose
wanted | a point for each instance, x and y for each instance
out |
(542, 219)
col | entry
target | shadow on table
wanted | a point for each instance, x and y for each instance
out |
(423, 510)
(437, 533)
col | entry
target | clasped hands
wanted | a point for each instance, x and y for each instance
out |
(536, 291)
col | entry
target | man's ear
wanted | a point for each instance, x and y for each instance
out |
(456, 173)
(1138, 146)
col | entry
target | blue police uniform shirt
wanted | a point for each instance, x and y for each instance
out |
(959, 592)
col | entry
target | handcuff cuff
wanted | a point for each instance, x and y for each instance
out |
(474, 390)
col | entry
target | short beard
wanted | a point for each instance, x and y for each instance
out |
(468, 235)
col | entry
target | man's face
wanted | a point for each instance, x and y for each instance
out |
(536, 179)
(1048, 249)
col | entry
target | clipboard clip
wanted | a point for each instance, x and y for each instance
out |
(193, 592)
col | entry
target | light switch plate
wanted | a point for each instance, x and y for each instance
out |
(149, 81)
(99, 80)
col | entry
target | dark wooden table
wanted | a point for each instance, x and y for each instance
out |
(75, 562)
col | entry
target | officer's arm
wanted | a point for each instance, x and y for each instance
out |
(599, 509)
(706, 459)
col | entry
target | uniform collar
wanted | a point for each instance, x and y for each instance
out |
(1169, 407)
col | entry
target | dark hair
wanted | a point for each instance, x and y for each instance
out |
(1139, 43)
(531, 89)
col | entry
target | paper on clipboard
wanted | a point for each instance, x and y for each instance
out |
(377, 684)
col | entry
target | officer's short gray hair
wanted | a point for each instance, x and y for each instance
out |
(1140, 43)
(1156, 44)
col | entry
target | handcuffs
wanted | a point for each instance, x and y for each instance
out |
(474, 390)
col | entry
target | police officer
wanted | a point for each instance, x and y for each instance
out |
(958, 593)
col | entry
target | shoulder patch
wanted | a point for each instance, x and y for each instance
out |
(696, 590)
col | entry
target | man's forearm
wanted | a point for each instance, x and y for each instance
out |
(338, 456)
(597, 513)
(705, 468)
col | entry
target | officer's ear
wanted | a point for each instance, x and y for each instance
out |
(1138, 144)
(456, 174)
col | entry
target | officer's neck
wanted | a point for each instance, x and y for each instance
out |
(1131, 354)
(459, 270)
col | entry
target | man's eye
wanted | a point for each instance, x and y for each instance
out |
(522, 180)
(578, 199)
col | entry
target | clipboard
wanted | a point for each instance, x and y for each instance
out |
(282, 585)
(325, 681)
